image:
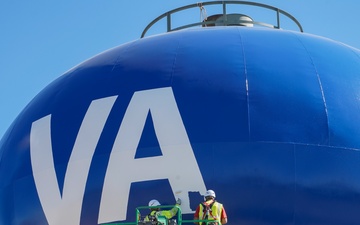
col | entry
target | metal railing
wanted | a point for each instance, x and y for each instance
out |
(179, 219)
(224, 21)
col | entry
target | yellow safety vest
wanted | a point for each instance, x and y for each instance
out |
(212, 212)
(167, 213)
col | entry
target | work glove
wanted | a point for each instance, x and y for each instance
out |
(178, 201)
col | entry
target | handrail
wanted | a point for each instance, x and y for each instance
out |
(180, 221)
(224, 3)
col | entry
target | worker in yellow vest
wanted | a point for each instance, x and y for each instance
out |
(155, 212)
(210, 209)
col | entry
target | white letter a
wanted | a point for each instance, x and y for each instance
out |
(123, 168)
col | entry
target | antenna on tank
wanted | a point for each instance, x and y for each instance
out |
(224, 18)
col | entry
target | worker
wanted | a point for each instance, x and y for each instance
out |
(210, 209)
(155, 212)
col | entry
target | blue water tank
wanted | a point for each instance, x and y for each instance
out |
(276, 111)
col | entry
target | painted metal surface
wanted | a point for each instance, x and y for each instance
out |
(268, 119)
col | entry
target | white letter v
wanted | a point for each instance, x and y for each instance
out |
(66, 208)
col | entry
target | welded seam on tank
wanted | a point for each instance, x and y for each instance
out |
(246, 83)
(295, 183)
(124, 53)
(320, 84)
(175, 59)
(307, 144)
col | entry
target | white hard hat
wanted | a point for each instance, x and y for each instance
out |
(210, 193)
(154, 202)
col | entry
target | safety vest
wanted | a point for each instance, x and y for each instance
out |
(210, 210)
(152, 216)
(167, 213)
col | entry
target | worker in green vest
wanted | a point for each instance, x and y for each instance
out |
(155, 212)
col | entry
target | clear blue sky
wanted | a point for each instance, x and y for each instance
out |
(40, 40)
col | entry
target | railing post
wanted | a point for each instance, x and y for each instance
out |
(168, 17)
(278, 18)
(224, 13)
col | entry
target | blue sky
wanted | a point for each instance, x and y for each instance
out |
(40, 40)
